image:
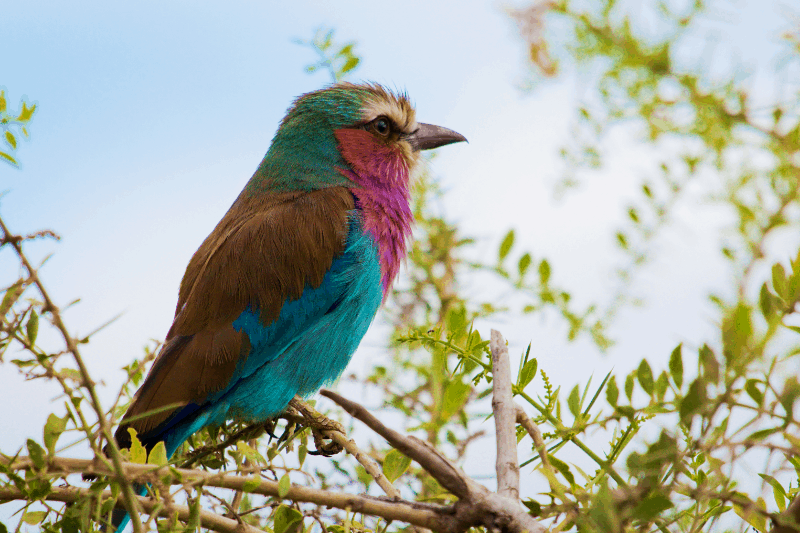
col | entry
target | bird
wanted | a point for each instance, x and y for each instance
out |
(277, 298)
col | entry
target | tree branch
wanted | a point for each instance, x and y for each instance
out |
(477, 506)
(208, 519)
(340, 437)
(435, 517)
(505, 416)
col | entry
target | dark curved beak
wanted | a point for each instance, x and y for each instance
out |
(428, 136)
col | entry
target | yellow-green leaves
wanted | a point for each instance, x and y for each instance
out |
(676, 366)
(158, 455)
(138, 452)
(395, 464)
(53, 429)
(505, 245)
(32, 327)
(283, 517)
(7, 121)
(284, 484)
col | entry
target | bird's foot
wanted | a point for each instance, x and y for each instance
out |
(321, 426)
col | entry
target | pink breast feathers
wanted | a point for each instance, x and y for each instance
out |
(380, 173)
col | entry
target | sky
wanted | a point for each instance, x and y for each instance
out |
(152, 116)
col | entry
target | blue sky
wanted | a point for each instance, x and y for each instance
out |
(153, 115)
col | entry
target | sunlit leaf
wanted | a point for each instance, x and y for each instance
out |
(395, 464)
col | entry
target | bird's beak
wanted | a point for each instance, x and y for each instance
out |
(428, 136)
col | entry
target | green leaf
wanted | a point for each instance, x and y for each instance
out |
(455, 396)
(34, 517)
(2, 101)
(138, 452)
(544, 272)
(709, 363)
(676, 366)
(53, 429)
(26, 113)
(527, 373)
(524, 263)
(765, 302)
(629, 386)
(645, 375)
(8, 158)
(751, 387)
(302, 452)
(10, 298)
(284, 484)
(251, 484)
(534, 507)
(612, 392)
(779, 281)
(661, 386)
(11, 140)
(505, 246)
(652, 506)
(350, 64)
(32, 327)
(158, 455)
(37, 454)
(283, 517)
(574, 401)
(562, 467)
(694, 400)
(395, 464)
(3, 528)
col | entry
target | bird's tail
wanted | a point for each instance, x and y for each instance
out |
(120, 516)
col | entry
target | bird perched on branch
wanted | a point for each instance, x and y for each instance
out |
(277, 298)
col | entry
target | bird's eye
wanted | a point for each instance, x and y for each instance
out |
(382, 126)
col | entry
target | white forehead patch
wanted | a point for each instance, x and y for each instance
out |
(381, 102)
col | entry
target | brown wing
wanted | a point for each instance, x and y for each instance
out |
(264, 250)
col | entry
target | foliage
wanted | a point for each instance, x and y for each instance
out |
(10, 121)
(677, 431)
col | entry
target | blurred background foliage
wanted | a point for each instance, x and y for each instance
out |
(677, 444)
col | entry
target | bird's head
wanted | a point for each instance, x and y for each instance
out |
(348, 135)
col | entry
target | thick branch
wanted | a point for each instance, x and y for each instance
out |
(435, 517)
(505, 416)
(208, 519)
(477, 506)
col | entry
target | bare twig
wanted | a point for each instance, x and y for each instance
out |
(128, 493)
(505, 416)
(533, 430)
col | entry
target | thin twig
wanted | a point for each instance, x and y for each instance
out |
(128, 494)
(533, 430)
(505, 415)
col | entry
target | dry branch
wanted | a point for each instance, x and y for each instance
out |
(477, 506)
(505, 417)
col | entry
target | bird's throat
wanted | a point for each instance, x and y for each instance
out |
(380, 177)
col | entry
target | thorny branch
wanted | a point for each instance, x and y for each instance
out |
(72, 347)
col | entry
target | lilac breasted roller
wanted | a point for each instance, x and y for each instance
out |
(279, 295)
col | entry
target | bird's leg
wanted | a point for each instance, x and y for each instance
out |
(320, 425)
